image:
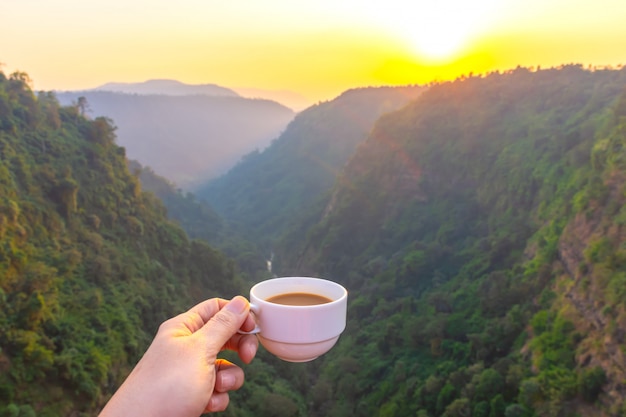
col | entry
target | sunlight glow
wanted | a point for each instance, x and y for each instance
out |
(438, 30)
(317, 48)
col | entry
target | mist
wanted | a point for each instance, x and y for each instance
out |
(187, 139)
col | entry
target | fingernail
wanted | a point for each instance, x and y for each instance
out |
(251, 347)
(228, 381)
(237, 305)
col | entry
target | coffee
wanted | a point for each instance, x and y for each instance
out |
(299, 299)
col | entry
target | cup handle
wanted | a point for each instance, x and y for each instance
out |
(255, 310)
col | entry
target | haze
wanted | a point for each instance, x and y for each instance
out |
(317, 49)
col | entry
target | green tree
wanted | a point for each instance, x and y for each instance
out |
(590, 382)
(497, 406)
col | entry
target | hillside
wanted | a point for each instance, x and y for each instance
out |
(480, 233)
(89, 263)
(186, 139)
(197, 218)
(478, 227)
(200, 221)
(270, 189)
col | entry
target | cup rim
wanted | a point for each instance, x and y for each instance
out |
(344, 293)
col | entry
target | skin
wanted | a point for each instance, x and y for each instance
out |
(180, 374)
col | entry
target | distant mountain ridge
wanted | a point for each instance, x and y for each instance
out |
(187, 139)
(167, 87)
(291, 99)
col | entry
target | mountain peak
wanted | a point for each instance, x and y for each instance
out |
(167, 87)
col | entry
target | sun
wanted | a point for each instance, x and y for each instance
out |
(438, 29)
(436, 41)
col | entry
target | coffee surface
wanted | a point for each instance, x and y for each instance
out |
(298, 299)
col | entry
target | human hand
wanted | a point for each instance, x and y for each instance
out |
(180, 375)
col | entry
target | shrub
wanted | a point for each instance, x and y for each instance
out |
(590, 382)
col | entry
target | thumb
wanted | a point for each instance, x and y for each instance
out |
(224, 325)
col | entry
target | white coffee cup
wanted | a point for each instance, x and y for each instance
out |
(298, 333)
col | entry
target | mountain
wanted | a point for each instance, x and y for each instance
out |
(187, 139)
(478, 226)
(89, 263)
(294, 101)
(168, 88)
(269, 189)
(479, 231)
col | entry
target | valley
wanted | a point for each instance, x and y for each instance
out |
(478, 225)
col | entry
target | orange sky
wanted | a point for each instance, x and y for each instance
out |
(317, 48)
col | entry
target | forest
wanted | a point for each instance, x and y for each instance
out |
(90, 265)
(478, 225)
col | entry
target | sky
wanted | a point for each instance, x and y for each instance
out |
(317, 48)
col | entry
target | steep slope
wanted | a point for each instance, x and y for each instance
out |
(200, 221)
(197, 218)
(592, 265)
(270, 189)
(89, 264)
(479, 233)
(187, 139)
(481, 146)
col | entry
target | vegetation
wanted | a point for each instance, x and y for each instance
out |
(272, 191)
(479, 230)
(89, 264)
(200, 221)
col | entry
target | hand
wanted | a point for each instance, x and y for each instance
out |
(180, 375)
